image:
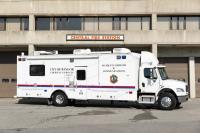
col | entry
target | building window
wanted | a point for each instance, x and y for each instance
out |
(178, 22)
(37, 70)
(181, 23)
(124, 23)
(42, 23)
(2, 24)
(171, 22)
(5, 80)
(150, 73)
(13, 80)
(145, 23)
(163, 23)
(68, 23)
(24, 24)
(193, 22)
(139, 23)
(174, 23)
(90, 23)
(81, 75)
(14, 23)
(104, 23)
(119, 23)
(134, 23)
(116, 23)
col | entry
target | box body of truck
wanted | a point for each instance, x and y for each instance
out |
(93, 76)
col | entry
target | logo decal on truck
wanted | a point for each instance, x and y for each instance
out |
(113, 79)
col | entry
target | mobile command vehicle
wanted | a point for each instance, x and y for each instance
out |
(85, 75)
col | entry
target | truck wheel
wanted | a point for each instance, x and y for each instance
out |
(167, 101)
(59, 99)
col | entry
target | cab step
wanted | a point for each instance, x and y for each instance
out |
(147, 99)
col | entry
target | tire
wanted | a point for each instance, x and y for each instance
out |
(167, 101)
(59, 99)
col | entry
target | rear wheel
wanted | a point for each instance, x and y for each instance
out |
(167, 101)
(59, 99)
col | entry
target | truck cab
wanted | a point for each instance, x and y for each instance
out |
(156, 87)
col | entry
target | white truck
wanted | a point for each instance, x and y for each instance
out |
(102, 75)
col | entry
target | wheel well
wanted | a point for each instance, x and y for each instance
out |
(58, 91)
(169, 91)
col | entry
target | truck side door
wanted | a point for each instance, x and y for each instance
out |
(80, 82)
(149, 80)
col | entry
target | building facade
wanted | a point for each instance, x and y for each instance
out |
(168, 28)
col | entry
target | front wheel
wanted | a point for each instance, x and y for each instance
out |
(59, 99)
(167, 101)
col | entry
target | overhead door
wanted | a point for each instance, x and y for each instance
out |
(177, 68)
(8, 74)
(197, 76)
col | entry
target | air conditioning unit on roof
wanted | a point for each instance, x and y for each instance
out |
(121, 50)
(81, 51)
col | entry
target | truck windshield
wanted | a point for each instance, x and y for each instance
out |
(163, 73)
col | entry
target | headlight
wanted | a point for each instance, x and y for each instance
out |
(179, 90)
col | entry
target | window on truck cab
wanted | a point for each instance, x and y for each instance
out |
(81, 74)
(37, 70)
(150, 73)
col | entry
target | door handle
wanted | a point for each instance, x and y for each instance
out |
(143, 84)
(161, 86)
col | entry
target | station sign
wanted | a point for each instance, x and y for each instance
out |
(94, 37)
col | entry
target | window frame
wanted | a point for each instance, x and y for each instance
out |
(23, 24)
(64, 25)
(4, 23)
(36, 23)
(153, 75)
(80, 78)
(38, 74)
(115, 22)
(177, 22)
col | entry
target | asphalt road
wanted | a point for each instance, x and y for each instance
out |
(37, 117)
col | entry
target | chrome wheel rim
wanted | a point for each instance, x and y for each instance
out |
(59, 99)
(166, 102)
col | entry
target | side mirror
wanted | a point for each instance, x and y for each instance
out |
(154, 77)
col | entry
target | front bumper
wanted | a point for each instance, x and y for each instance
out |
(183, 98)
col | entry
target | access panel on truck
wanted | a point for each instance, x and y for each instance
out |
(118, 76)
